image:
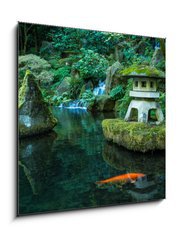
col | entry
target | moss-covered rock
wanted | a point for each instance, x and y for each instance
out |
(102, 103)
(35, 116)
(134, 135)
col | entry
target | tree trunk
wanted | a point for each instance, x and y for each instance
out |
(116, 53)
(162, 46)
(26, 31)
(36, 40)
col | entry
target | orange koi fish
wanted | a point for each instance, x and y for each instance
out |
(124, 178)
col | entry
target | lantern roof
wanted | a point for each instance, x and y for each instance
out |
(142, 71)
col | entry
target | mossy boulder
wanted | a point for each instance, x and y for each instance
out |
(35, 116)
(102, 103)
(134, 136)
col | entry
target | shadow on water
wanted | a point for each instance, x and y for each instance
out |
(58, 171)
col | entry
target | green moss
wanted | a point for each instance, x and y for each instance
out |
(134, 135)
(141, 70)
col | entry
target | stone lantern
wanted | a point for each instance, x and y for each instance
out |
(144, 94)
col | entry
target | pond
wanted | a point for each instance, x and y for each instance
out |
(58, 171)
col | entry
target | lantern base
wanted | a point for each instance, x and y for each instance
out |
(144, 108)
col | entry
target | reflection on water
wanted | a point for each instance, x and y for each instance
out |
(58, 171)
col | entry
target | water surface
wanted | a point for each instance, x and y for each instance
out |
(58, 171)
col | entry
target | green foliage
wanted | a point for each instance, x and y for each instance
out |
(75, 87)
(61, 73)
(70, 39)
(125, 101)
(88, 94)
(66, 39)
(161, 65)
(39, 67)
(162, 101)
(83, 56)
(128, 54)
(117, 92)
(92, 65)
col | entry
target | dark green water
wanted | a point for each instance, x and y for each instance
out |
(58, 171)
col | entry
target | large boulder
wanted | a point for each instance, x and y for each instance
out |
(102, 103)
(158, 58)
(111, 81)
(35, 116)
(134, 136)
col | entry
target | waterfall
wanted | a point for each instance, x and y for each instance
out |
(100, 89)
(80, 103)
(75, 104)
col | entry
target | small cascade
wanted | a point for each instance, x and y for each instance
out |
(82, 104)
(100, 89)
(76, 104)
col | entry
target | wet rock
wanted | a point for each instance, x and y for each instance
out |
(134, 136)
(64, 86)
(103, 103)
(35, 116)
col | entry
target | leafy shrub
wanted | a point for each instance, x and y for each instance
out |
(91, 65)
(88, 94)
(61, 73)
(75, 87)
(39, 67)
(162, 100)
(117, 92)
(125, 101)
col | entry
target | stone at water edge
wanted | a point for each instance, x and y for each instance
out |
(102, 103)
(35, 116)
(134, 136)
